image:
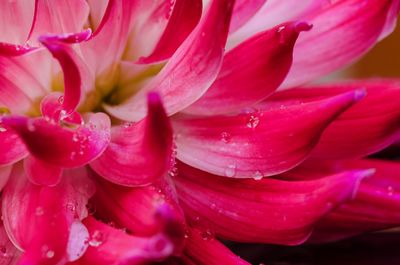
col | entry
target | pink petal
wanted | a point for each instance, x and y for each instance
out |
(208, 251)
(243, 11)
(22, 83)
(7, 49)
(257, 143)
(77, 77)
(12, 148)
(42, 173)
(15, 20)
(5, 172)
(190, 71)
(38, 218)
(265, 211)
(9, 253)
(184, 17)
(58, 16)
(364, 129)
(251, 71)
(357, 25)
(52, 108)
(109, 245)
(60, 145)
(375, 206)
(138, 154)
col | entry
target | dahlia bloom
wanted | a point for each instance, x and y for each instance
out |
(138, 131)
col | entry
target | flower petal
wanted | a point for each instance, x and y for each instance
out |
(375, 206)
(63, 146)
(58, 16)
(138, 154)
(358, 26)
(208, 251)
(42, 173)
(183, 19)
(12, 148)
(258, 143)
(251, 71)
(9, 253)
(38, 218)
(109, 245)
(77, 77)
(190, 71)
(364, 129)
(265, 211)
(15, 20)
(243, 11)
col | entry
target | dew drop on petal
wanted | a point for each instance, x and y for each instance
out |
(207, 234)
(253, 122)
(226, 137)
(258, 175)
(96, 239)
(230, 171)
(61, 100)
(390, 190)
(50, 254)
(128, 124)
(30, 126)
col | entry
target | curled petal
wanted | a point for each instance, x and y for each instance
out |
(184, 17)
(52, 108)
(77, 77)
(191, 70)
(139, 153)
(197, 245)
(251, 71)
(265, 211)
(257, 143)
(364, 129)
(109, 245)
(358, 25)
(58, 17)
(62, 146)
(38, 219)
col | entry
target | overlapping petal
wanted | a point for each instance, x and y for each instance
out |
(244, 11)
(12, 148)
(191, 70)
(258, 143)
(251, 71)
(138, 154)
(267, 210)
(368, 127)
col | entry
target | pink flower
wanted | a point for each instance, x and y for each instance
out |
(138, 131)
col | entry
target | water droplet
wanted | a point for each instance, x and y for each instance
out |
(230, 171)
(61, 100)
(128, 124)
(39, 211)
(207, 234)
(253, 122)
(96, 239)
(203, 34)
(31, 126)
(75, 137)
(258, 175)
(226, 137)
(70, 206)
(72, 156)
(50, 254)
(2, 129)
(390, 190)
(281, 33)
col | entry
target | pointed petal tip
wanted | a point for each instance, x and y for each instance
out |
(302, 26)
(153, 98)
(67, 37)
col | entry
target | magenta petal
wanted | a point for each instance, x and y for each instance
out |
(62, 146)
(109, 245)
(243, 11)
(184, 17)
(138, 154)
(191, 70)
(256, 143)
(12, 148)
(366, 128)
(5, 172)
(42, 173)
(9, 253)
(359, 25)
(77, 77)
(58, 16)
(208, 251)
(7, 49)
(52, 108)
(265, 211)
(251, 71)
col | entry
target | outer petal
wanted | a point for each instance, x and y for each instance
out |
(251, 71)
(256, 144)
(63, 146)
(15, 20)
(358, 26)
(368, 127)
(243, 11)
(58, 16)
(12, 148)
(39, 219)
(42, 173)
(190, 71)
(267, 210)
(77, 77)
(139, 153)
(22, 82)
(208, 251)
(184, 17)
(375, 206)
(9, 253)
(109, 245)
